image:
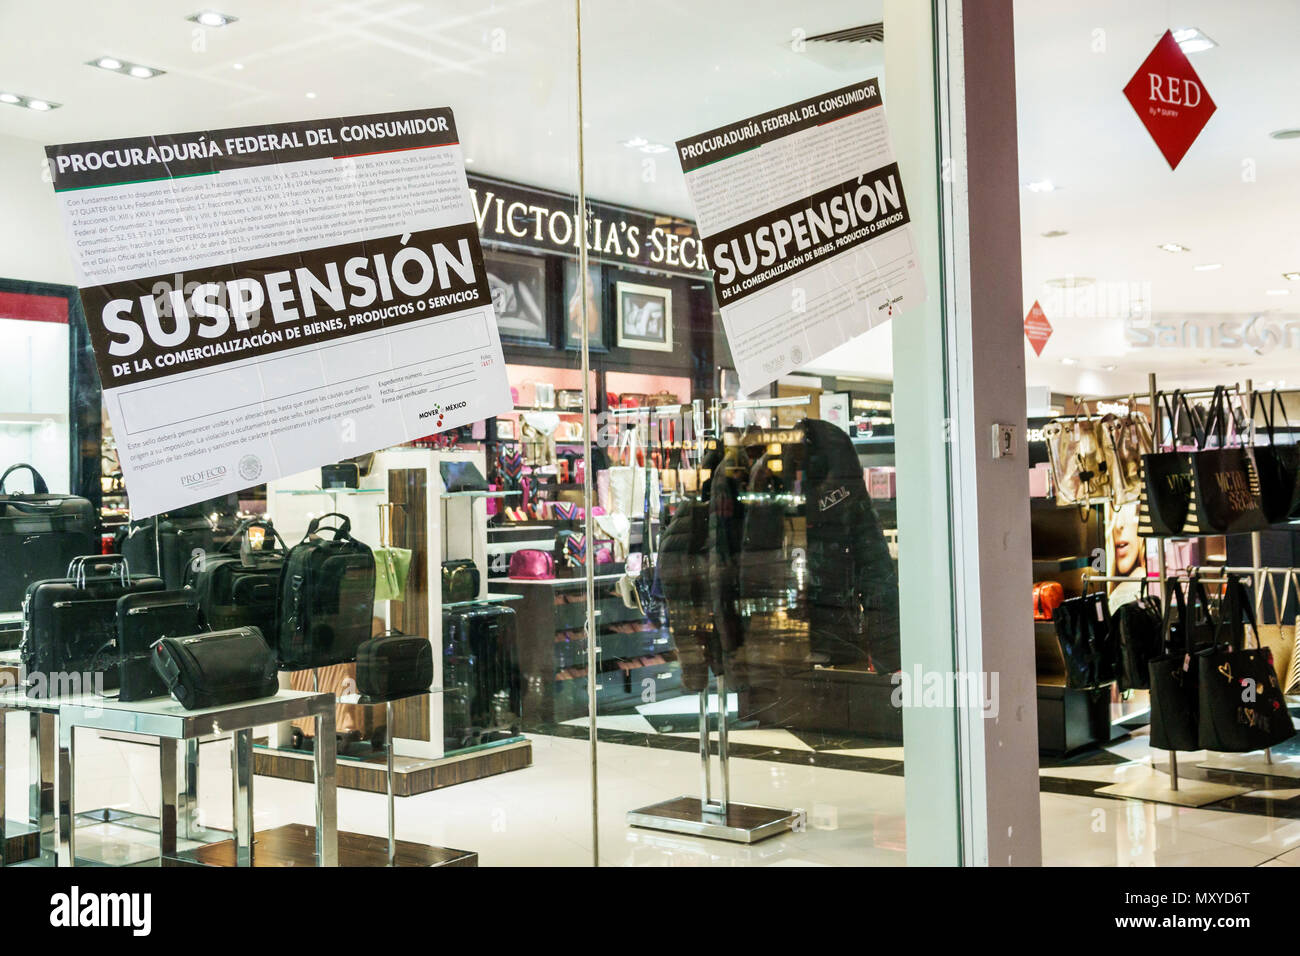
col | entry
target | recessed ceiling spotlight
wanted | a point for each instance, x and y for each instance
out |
(469, 160)
(1069, 361)
(1208, 266)
(28, 102)
(1174, 247)
(236, 66)
(1291, 276)
(636, 142)
(1277, 291)
(1109, 368)
(1191, 40)
(1055, 234)
(210, 18)
(1041, 186)
(1285, 134)
(311, 96)
(115, 65)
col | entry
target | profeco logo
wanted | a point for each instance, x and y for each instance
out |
(204, 477)
(103, 910)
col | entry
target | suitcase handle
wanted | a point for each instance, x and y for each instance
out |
(38, 483)
(344, 530)
(77, 568)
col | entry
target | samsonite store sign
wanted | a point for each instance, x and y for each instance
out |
(540, 219)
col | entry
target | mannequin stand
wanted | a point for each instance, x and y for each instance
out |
(702, 815)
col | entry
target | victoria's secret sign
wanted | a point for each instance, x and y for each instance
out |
(541, 219)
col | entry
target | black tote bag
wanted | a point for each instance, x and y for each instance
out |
(1173, 675)
(1083, 629)
(1138, 628)
(1278, 465)
(1165, 502)
(1241, 706)
(1225, 482)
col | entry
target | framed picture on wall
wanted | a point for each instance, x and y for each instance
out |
(645, 316)
(518, 287)
(573, 309)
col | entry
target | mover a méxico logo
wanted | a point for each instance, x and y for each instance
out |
(1257, 334)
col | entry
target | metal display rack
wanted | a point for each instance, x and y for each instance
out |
(704, 816)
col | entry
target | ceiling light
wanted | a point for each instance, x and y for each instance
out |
(1277, 291)
(28, 102)
(1191, 40)
(636, 142)
(237, 66)
(1070, 282)
(210, 18)
(1285, 134)
(1109, 368)
(1055, 234)
(654, 148)
(1291, 276)
(1069, 361)
(469, 160)
(1174, 247)
(1208, 266)
(1041, 186)
(311, 96)
(115, 65)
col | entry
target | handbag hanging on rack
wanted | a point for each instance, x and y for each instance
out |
(1079, 469)
(1241, 707)
(392, 565)
(1083, 629)
(1278, 465)
(1126, 438)
(1165, 501)
(1138, 628)
(1188, 628)
(1225, 482)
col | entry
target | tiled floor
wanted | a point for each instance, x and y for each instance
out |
(851, 791)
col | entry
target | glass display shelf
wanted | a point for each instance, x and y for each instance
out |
(331, 491)
(479, 494)
(486, 599)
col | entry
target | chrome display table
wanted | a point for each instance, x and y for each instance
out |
(170, 723)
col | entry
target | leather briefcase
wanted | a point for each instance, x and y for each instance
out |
(40, 534)
(217, 668)
(143, 618)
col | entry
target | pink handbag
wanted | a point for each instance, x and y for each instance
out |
(531, 564)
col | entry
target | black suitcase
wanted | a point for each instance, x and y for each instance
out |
(217, 668)
(180, 546)
(481, 665)
(40, 534)
(69, 640)
(394, 666)
(239, 586)
(327, 598)
(143, 618)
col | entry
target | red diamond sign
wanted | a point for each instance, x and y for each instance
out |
(1170, 99)
(1037, 329)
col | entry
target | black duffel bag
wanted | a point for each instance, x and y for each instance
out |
(216, 668)
(40, 534)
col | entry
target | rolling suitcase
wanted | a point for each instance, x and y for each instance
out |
(40, 534)
(144, 617)
(180, 546)
(70, 626)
